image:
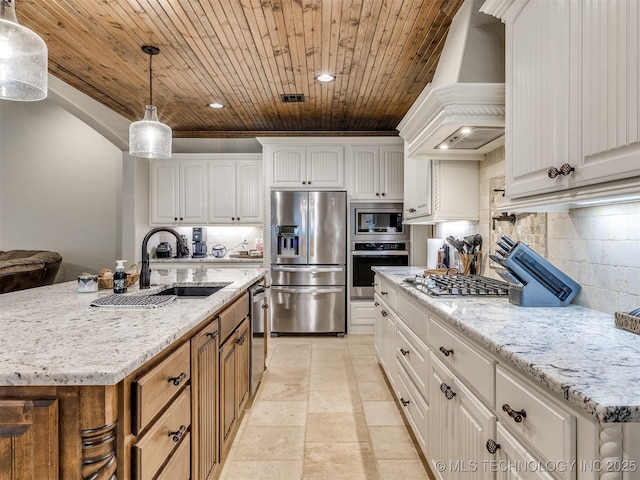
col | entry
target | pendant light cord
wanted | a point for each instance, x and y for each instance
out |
(150, 80)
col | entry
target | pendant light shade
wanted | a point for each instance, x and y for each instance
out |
(23, 58)
(148, 138)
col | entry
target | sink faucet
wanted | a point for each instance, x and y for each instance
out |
(145, 273)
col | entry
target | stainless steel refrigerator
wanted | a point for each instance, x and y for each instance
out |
(308, 262)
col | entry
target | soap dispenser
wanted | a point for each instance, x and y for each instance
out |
(120, 278)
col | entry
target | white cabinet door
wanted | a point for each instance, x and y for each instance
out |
(365, 173)
(392, 173)
(193, 192)
(441, 422)
(288, 165)
(222, 191)
(325, 167)
(418, 191)
(164, 188)
(249, 192)
(542, 96)
(512, 456)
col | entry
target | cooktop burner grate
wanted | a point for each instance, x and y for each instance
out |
(461, 285)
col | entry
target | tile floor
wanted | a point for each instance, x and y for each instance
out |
(323, 411)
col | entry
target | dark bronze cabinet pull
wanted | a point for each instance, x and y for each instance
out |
(176, 380)
(446, 389)
(564, 170)
(376, 304)
(383, 293)
(404, 352)
(404, 402)
(177, 435)
(213, 334)
(492, 446)
(240, 340)
(384, 313)
(446, 352)
(517, 416)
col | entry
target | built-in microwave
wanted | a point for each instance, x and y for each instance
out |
(377, 222)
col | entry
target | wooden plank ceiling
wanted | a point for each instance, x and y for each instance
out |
(245, 54)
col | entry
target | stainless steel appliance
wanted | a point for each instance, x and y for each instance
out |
(533, 280)
(460, 285)
(199, 236)
(377, 222)
(365, 255)
(308, 262)
(257, 302)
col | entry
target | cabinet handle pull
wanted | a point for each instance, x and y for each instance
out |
(492, 446)
(446, 389)
(517, 416)
(564, 170)
(446, 352)
(383, 293)
(376, 304)
(412, 210)
(177, 380)
(384, 313)
(404, 402)
(213, 334)
(404, 352)
(177, 435)
(240, 340)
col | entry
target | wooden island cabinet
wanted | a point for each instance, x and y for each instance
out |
(166, 420)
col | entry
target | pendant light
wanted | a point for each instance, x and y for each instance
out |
(148, 138)
(23, 59)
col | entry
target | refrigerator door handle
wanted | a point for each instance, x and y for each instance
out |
(312, 229)
(308, 290)
(307, 269)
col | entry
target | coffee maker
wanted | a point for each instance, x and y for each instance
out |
(199, 236)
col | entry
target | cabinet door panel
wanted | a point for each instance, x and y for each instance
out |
(222, 191)
(325, 166)
(193, 192)
(249, 193)
(288, 166)
(228, 394)
(392, 173)
(164, 192)
(243, 349)
(366, 173)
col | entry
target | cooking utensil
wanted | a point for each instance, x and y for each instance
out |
(457, 244)
(468, 243)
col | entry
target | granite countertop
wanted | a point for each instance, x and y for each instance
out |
(51, 336)
(574, 351)
(208, 259)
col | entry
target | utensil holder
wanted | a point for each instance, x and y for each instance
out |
(469, 259)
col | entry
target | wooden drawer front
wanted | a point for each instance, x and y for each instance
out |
(156, 388)
(546, 426)
(413, 355)
(413, 316)
(153, 449)
(179, 466)
(388, 294)
(476, 368)
(233, 315)
(413, 406)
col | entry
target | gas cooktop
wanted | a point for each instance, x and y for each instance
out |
(461, 286)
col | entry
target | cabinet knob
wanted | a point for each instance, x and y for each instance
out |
(383, 194)
(383, 293)
(446, 352)
(404, 402)
(177, 435)
(181, 218)
(177, 380)
(376, 304)
(384, 313)
(304, 182)
(564, 170)
(412, 210)
(309, 182)
(213, 334)
(517, 416)
(175, 219)
(492, 446)
(446, 389)
(240, 340)
(404, 352)
(377, 194)
(233, 218)
(265, 306)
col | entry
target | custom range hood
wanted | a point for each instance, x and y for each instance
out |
(461, 113)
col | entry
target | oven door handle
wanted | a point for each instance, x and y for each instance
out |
(379, 253)
(306, 290)
(307, 269)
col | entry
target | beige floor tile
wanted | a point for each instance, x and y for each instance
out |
(380, 414)
(368, 359)
(263, 470)
(278, 413)
(334, 401)
(371, 391)
(392, 443)
(283, 391)
(270, 443)
(361, 349)
(330, 461)
(407, 469)
(365, 339)
(326, 382)
(368, 373)
(287, 374)
(337, 427)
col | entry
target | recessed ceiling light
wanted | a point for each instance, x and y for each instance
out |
(444, 146)
(325, 78)
(465, 130)
(216, 105)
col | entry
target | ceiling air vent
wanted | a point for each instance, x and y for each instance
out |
(292, 97)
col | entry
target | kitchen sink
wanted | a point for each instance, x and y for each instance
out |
(190, 292)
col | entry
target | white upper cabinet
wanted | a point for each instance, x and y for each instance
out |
(377, 172)
(305, 166)
(178, 192)
(235, 191)
(573, 111)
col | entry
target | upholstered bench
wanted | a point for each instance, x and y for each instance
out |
(21, 269)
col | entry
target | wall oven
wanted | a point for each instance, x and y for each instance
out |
(367, 255)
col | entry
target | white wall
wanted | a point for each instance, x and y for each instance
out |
(60, 187)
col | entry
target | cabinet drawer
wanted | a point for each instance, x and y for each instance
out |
(233, 315)
(476, 368)
(153, 449)
(545, 425)
(179, 466)
(413, 355)
(157, 387)
(414, 316)
(413, 406)
(387, 293)
(512, 455)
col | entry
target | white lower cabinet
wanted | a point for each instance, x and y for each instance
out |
(385, 332)
(413, 405)
(511, 456)
(361, 317)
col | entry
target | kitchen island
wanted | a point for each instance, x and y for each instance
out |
(86, 387)
(559, 387)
